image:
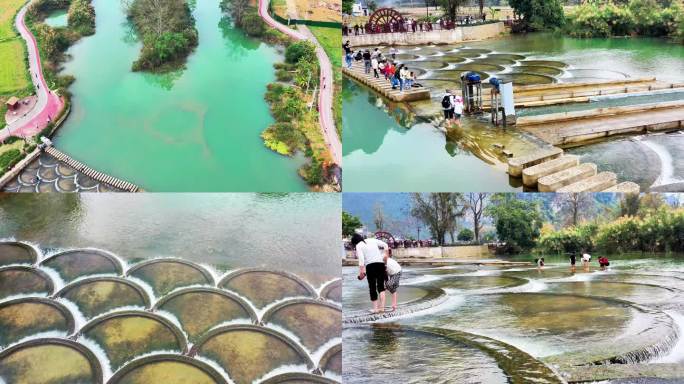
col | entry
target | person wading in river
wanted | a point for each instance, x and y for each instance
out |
(393, 277)
(372, 266)
(573, 260)
(448, 102)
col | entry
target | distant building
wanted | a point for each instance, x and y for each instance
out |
(359, 9)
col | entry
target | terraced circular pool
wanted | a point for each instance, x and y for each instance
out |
(86, 316)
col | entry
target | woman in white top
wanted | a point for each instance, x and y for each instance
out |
(586, 259)
(372, 266)
(393, 277)
(374, 64)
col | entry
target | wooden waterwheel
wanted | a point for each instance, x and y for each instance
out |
(386, 20)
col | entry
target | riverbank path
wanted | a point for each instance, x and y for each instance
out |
(49, 103)
(325, 96)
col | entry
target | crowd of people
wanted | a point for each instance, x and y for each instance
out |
(586, 261)
(409, 25)
(381, 65)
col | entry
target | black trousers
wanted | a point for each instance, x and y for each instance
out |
(375, 273)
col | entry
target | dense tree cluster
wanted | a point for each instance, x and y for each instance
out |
(167, 30)
(634, 17)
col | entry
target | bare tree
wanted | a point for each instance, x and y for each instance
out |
(378, 217)
(574, 206)
(476, 203)
(439, 211)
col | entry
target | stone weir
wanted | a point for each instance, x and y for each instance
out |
(441, 36)
(383, 86)
(88, 316)
(550, 170)
(111, 181)
(569, 129)
(435, 297)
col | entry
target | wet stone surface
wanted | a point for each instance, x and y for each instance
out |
(140, 332)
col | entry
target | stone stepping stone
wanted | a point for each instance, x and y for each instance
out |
(517, 164)
(625, 187)
(532, 174)
(596, 183)
(556, 181)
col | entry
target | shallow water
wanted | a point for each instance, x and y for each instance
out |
(408, 357)
(105, 288)
(558, 315)
(195, 129)
(56, 19)
(223, 230)
(381, 141)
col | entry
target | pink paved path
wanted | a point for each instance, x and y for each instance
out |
(325, 97)
(48, 105)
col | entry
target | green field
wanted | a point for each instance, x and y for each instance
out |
(13, 74)
(331, 40)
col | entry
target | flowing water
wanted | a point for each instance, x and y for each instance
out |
(125, 290)
(629, 313)
(57, 19)
(401, 143)
(195, 129)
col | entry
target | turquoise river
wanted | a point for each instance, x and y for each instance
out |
(196, 129)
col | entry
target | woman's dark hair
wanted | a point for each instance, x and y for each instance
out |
(356, 238)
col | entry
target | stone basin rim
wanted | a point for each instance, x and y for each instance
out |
(296, 301)
(113, 279)
(614, 356)
(199, 268)
(68, 316)
(299, 376)
(165, 357)
(325, 359)
(196, 349)
(82, 349)
(111, 257)
(26, 268)
(178, 334)
(457, 336)
(33, 251)
(211, 290)
(303, 283)
(329, 286)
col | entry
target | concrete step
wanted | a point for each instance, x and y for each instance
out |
(624, 187)
(532, 174)
(596, 183)
(556, 181)
(517, 164)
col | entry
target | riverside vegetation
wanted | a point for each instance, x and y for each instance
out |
(52, 44)
(291, 99)
(603, 18)
(167, 31)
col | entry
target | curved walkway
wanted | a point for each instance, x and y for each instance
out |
(49, 103)
(325, 97)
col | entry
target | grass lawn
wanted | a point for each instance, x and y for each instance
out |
(13, 73)
(279, 7)
(19, 145)
(331, 40)
(8, 8)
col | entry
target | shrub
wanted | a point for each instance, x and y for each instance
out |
(573, 239)
(9, 158)
(301, 50)
(465, 235)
